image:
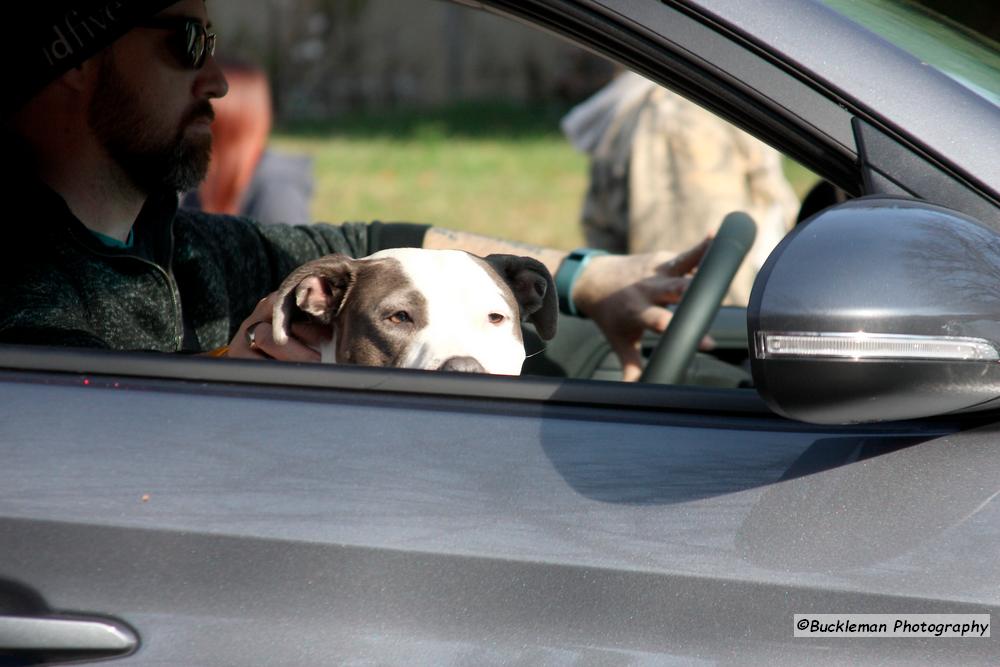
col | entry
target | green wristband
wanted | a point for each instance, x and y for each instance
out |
(567, 275)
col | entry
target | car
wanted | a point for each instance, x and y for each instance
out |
(836, 454)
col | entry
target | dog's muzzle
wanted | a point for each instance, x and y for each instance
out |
(462, 365)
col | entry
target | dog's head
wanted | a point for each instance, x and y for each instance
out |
(416, 308)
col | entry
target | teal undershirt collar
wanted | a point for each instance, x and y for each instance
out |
(112, 242)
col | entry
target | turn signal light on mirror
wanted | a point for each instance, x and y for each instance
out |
(862, 346)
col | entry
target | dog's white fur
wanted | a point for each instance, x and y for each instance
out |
(461, 296)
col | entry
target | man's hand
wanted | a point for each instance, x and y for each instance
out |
(302, 344)
(626, 294)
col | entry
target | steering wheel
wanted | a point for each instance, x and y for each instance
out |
(701, 301)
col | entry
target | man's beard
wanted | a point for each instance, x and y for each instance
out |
(154, 162)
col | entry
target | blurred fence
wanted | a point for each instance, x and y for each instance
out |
(330, 56)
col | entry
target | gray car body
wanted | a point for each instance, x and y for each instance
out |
(236, 513)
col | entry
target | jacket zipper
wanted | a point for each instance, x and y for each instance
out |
(175, 297)
(171, 285)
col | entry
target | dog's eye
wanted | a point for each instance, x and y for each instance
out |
(496, 318)
(400, 317)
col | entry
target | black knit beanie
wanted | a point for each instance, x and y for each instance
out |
(46, 38)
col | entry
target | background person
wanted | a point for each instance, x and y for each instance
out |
(246, 177)
(664, 173)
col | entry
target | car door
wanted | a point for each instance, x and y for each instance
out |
(200, 511)
(376, 516)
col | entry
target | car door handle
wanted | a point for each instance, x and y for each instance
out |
(69, 638)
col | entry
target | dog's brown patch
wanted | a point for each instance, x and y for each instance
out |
(365, 334)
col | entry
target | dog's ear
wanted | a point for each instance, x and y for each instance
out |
(318, 288)
(533, 288)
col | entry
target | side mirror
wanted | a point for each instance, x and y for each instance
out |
(878, 309)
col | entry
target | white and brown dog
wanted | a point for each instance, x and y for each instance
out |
(417, 308)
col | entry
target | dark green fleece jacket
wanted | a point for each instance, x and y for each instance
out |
(187, 283)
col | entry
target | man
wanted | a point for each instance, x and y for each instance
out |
(109, 116)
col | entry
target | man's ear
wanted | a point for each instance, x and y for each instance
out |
(533, 288)
(318, 288)
(74, 79)
(84, 76)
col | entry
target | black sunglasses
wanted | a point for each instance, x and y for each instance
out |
(193, 41)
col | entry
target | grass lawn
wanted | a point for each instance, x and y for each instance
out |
(487, 169)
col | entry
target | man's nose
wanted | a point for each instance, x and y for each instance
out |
(462, 365)
(211, 82)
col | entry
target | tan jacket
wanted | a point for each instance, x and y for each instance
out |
(665, 172)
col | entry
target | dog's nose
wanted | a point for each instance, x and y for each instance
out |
(462, 365)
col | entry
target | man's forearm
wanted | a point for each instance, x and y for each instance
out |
(478, 244)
